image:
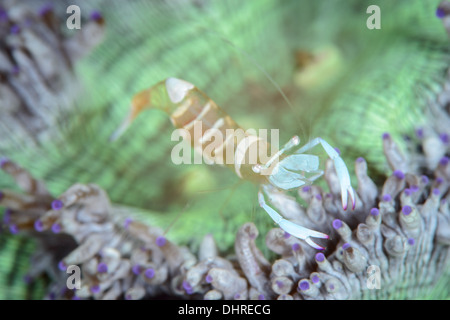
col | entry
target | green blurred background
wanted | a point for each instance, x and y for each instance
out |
(345, 83)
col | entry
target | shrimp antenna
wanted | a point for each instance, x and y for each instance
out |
(250, 58)
(243, 52)
(187, 205)
(266, 74)
(255, 63)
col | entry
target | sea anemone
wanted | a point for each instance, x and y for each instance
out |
(396, 242)
(37, 62)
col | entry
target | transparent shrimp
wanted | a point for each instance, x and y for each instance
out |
(289, 168)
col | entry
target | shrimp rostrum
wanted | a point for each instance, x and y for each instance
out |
(203, 121)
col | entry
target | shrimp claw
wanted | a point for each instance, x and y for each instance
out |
(298, 169)
(339, 165)
(290, 227)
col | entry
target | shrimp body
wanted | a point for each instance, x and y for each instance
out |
(202, 120)
(191, 110)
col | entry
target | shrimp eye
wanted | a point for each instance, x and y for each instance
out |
(256, 168)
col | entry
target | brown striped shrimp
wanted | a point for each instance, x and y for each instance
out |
(286, 169)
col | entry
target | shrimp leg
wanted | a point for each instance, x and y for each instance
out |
(341, 169)
(290, 227)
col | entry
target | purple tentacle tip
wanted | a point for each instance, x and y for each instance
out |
(303, 285)
(15, 29)
(96, 16)
(76, 298)
(57, 204)
(436, 191)
(387, 197)
(56, 228)
(187, 287)
(28, 22)
(444, 138)
(46, 8)
(136, 269)
(27, 279)
(252, 235)
(411, 241)
(315, 279)
(360, 159)
(261, 297)
(319, 196)
(3, 161)
(408, 192)
(149, 273)
(7, 216)
(102, 267)
(15, 70)
(386, 136)
(14, 229)
(127, 222)
(3, 15)
(95, 288)
(337, 150)
(345, 246)
(337, 224)
(320, 257)
(439, 180)
(286, 235)
(444, 161)
(279, 284)
(237, 296)
(39, 226)
(424, 179)
(419, 133)
(306, 188)
(208, 279)
(440, 13)
(295, 247)
(414, 188)
(406, 210)
(62, 266)
(161, 241)
(374, 212)
(399, 174)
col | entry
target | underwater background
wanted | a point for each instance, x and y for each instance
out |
(344, 82)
